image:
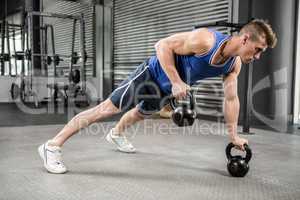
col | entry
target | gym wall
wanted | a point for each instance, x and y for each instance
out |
(273, 74)
(296, 108)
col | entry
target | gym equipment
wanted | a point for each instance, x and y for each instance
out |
(74, 76)
(81, 99)
(238, 166)
(234, 26)
(56, 58)
(4, 57)
(2, 32)
(74, 57)
(22, 88)
(14, 91)
(184, 115)
(75, 90)
(77, 77)
(14, 48)
(17, 91)
(8, 48)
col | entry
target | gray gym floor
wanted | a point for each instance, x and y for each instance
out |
(171, 163)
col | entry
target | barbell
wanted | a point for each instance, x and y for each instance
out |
(56, 58)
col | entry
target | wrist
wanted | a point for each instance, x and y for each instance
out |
(176, 81)
(233, 137)
(232, 130)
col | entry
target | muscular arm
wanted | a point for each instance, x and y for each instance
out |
(231, 102)
(187, 43)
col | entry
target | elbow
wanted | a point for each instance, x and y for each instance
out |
(231, 97)
(158, 45)
(161, 44)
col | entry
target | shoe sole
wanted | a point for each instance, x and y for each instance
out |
(41, 153)
(109, 139)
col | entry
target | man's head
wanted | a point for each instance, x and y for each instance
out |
(255, 37)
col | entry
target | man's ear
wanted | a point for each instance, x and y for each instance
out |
(245, 38)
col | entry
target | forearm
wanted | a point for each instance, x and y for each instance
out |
(231, 113)
(166, 59)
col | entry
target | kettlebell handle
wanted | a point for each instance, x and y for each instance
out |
(191, 98)
(248, 153)
(247, 149)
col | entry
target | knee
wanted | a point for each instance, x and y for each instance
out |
(107, 106)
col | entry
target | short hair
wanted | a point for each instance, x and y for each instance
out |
(259, 27)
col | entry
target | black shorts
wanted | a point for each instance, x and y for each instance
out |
(139, 89)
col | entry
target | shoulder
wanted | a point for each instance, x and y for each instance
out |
(202, 40)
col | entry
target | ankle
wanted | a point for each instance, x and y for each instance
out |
(116, 132)
(53, 143)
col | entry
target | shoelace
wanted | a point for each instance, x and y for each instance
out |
(124, 142)
(58, 157)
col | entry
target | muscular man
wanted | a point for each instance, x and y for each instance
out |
(181, 59)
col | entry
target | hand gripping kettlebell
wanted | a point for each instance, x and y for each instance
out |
(183, 114)
(238, 166)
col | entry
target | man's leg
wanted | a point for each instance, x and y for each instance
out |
(127, 120)
(50, 152)
(116, 135)
(84, 119)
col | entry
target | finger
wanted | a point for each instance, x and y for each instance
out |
(237, 147)
(180, 96)
(176, 96)
(242, 148)
(188, 88)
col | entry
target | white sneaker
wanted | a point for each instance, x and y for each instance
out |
(51, 156)
(121, 142)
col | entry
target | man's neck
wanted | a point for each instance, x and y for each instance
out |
(230, 48)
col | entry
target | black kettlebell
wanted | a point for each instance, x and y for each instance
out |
(238, 166)
(184, 115)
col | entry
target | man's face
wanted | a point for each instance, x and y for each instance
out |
(252, 50)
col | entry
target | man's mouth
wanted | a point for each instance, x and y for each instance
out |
(249, 61)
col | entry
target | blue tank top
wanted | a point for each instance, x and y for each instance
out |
(192, 68)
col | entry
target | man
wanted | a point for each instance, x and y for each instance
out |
(181, 59)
